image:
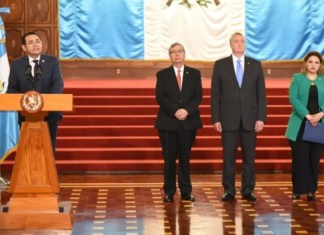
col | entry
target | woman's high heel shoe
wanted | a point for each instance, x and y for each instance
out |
(295, 196)
(311, 197)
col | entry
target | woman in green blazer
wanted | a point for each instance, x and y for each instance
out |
(306, 95)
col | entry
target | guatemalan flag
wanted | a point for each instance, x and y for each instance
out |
(9, 129)
(144, 29)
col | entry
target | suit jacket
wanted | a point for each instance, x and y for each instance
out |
(170, 99)
(50, 82)
(231, 104)
(298, 97)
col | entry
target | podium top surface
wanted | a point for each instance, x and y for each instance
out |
(52, 102)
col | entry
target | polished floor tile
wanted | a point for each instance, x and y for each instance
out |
(133, 204)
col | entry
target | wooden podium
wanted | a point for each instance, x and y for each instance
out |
(34, 203)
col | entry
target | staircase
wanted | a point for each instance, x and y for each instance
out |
(111, 129)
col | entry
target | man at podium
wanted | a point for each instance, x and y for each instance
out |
(38, 72)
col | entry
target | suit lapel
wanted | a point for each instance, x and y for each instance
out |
(185, 79)
(247, 66)
(231, 70)
(42, 60)
(172, 77)
(26, 60)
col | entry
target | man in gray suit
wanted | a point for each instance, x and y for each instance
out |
(41, 73)
(238, 109)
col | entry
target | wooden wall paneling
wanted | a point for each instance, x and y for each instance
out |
(38, 11)
(55, 29)
(55, 12)
(30, 15)
(17, 14)
(55, 42)
(147, 69)
(14, 26)
(279, 69)
(123, 69)
(13, 42)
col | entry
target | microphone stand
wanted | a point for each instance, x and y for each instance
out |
(28, 74)
(38, 73)
(35, 78)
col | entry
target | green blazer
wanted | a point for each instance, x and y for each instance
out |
(298, 97)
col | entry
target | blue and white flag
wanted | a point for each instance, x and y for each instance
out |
(144, 29)
(9, 129)
(4, 63)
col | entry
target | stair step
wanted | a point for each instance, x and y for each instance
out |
(93, 120)
(153, 141)
(147, 130)
(271, 91)
(150, 100)
(152, 109)
(155, 153)
(103, 91)
(209, 165)
(114, 100)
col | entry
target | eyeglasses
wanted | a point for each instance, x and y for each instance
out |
(175, 52)
(34, 42)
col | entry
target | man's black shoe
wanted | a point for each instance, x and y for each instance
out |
(311, 197)
(188, 198)
(250, 197)
(227, 197)
(168, 198)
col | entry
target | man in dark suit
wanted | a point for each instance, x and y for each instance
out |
(238, 108)
(41, 73)
(178, 93)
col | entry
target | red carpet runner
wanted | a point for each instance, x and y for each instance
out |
(111, 129)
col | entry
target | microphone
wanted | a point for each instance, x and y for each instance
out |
(28, 71)
(38, 71)
(37, 74)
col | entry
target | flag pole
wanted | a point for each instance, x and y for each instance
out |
(4, 75)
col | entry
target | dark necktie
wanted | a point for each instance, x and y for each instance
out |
(35, 67)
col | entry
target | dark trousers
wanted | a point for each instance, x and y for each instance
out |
(230, 142)
(177, 144)
(305, 164)
(52, 126)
